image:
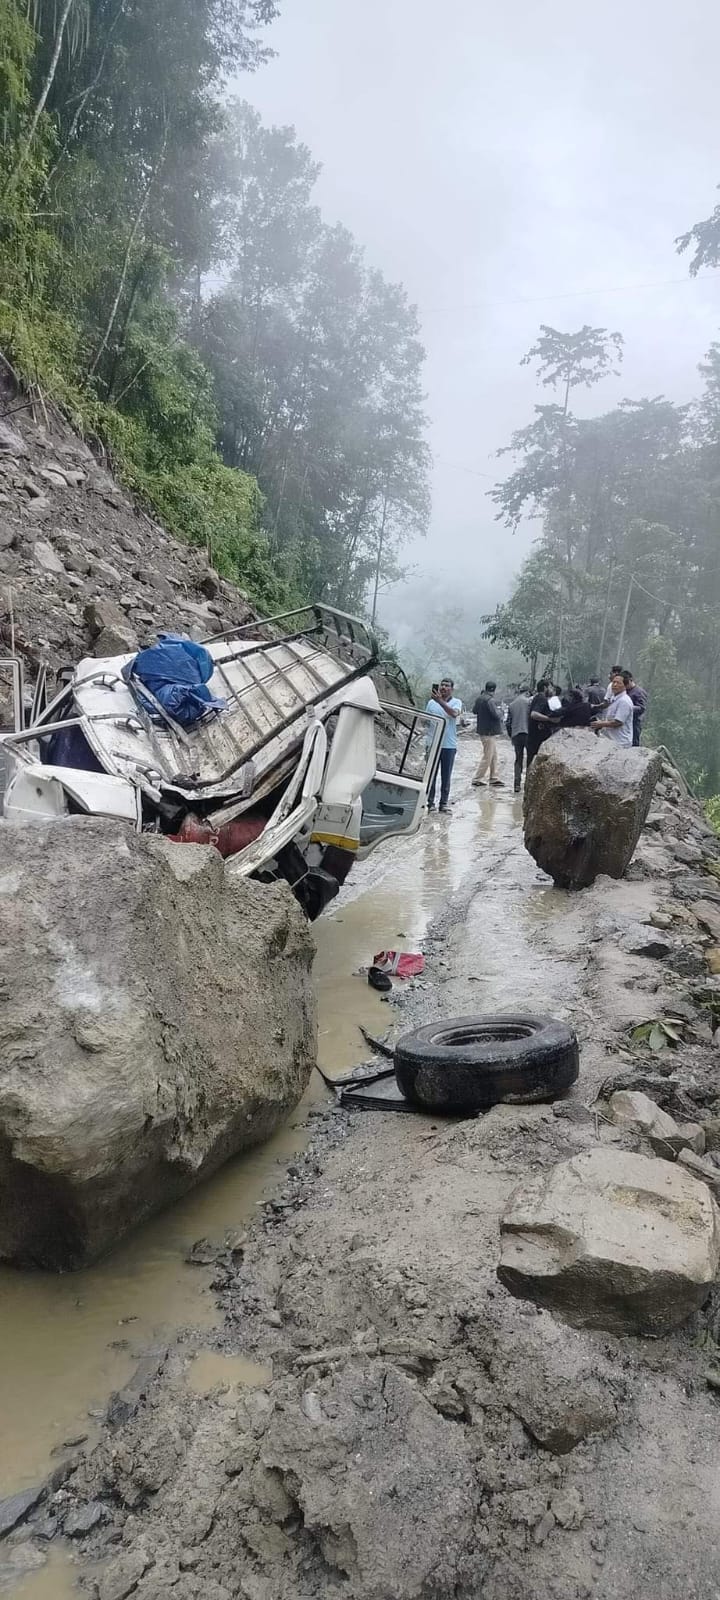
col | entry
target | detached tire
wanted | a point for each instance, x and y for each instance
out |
(468, 1064)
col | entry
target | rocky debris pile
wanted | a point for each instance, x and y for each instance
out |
(586, 800)
(157, 1016)
(83, 571)
(612, 1240)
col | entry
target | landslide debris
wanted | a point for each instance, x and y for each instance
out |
(83, 569)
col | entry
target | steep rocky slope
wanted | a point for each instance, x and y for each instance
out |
(83, 569)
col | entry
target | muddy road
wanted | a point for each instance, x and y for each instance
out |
(354, 1405)
(67, 1342)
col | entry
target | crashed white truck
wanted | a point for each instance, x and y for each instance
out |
(282, 772)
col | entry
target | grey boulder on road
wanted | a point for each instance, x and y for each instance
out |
(612, 1240)
(586, 801)
(156, 1017)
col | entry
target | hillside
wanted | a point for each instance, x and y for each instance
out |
(83, 567)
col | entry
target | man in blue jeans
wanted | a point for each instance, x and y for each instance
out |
(445, 705)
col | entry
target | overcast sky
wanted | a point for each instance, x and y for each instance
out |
(512, 163)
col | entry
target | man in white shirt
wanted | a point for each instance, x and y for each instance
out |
(616, 722)
(445, 704)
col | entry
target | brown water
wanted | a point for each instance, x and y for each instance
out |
(212, 1369)
(66, 1342)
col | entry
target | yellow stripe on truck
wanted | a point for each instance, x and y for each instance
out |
(339, 839)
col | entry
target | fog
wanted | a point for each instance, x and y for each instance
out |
(511, 164)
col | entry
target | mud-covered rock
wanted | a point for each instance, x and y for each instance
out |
(612, 1240)
(562, 1412)
(381, 1481)
(157, 1016)
(586, 800)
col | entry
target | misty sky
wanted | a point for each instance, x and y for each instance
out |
(512, 163)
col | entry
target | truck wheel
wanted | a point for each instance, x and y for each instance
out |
(468, 1064)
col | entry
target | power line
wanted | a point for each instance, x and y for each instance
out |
(569, 294)
(459, 466)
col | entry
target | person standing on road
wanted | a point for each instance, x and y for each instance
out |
(639, 698)
(445, 705)
(616, 722)
(518, 724)
(595, 695)
(489, 727)
(541, 720)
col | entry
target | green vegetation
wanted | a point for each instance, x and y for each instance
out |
(166, 278)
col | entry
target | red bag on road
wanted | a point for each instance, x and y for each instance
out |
(399, 963)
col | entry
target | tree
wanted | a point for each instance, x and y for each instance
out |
(574, 360)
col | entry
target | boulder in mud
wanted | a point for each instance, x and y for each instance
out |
(586, 800)
(612, 1240)
(156, 1017)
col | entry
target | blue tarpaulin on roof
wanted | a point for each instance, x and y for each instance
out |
(177, 672)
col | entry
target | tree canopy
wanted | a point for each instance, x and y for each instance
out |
(627, 564)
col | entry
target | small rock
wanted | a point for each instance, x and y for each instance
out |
(628, 1108)
(116, 641)
(687, 1136)
(711, 1130)
(47, 558)
(105, 569)
(572, 1111)
(702, 1169)
(17, 1507)
(712, 960)
(661, 919)
(11, 442)
(688, 853)
(568, 1508)
(560, 1412)
(82, 1519)
(123, 1403)
(708, 913)
(209, 583)
(203, 1254)
(123, 1575)
(543, 1527)
(56, 480)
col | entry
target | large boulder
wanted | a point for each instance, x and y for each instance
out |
(156, 1016)
(586, 800)
(612, 1240)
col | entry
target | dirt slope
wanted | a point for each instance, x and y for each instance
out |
(424, 1435)
(76, 554)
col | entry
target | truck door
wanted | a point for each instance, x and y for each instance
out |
(408, 750)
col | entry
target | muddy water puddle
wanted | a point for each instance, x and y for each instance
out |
(66, 1342)
(213, 1369)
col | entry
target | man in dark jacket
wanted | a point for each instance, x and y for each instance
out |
(639, 698)
(489, 727)
(542, 720)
